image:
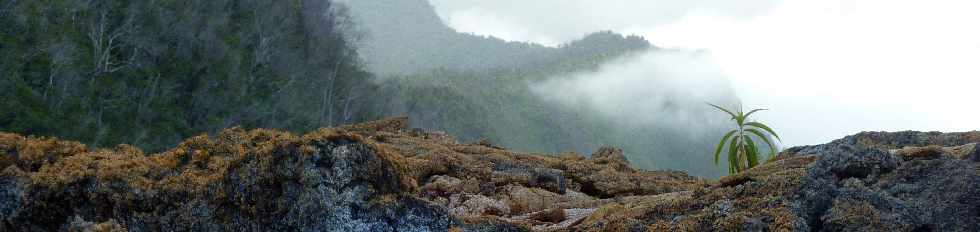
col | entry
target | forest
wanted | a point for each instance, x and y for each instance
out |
(152, 73)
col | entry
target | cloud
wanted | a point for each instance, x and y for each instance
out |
(653, 106)
(832, 68)
(827, 68)
(657, 88)
(554, 21)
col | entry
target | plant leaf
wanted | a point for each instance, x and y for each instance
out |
(721, 144)
(752, 152)
(733, 161)
(753, 111)
(772, 148)
(725, 110)
(764, 127)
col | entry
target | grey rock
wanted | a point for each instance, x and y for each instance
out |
(857, 188)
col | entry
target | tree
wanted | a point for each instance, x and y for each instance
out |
(743, 153)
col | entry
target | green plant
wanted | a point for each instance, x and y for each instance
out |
(743, 153)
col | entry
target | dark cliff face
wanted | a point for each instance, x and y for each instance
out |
(382, 176)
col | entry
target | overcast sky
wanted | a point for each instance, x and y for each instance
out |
(826, 68)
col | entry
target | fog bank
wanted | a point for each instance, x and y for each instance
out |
(826, 68)
(664, 88)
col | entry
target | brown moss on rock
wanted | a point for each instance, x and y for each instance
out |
(964, 152)
(524, 200)
(927, 152)
(553, 215)
(6, 161)
(611, 217)
(898, 140)
(379, 176)
(396, 124)
(239, 176)
(477, 183)
(857, 216)
(453, 174)
(30, 153)
(749, 201)
(970, 152)
(80, 225)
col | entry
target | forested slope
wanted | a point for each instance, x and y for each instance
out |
(151, 73)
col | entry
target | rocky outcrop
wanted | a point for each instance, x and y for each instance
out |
(241, 180)
(842, 186)
(894, 140)
(483, 184)
(855, 188)
(383, 176)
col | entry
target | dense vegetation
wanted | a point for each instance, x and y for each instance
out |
(151, 73)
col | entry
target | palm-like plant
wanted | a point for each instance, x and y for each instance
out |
(742, 150)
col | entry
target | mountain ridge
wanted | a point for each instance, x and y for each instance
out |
(407, 37)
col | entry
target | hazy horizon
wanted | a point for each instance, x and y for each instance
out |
(827, 69)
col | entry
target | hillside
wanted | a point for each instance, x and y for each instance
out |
(384, 176)
(406, 37)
